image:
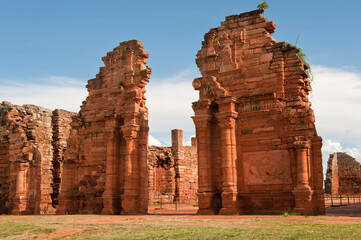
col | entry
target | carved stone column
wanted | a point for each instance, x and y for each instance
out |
(111, 193)
(318, 194)
(20, 200)
(302, 191)
(227, 122)
(130, 195)
(205, 187)
(143, 168)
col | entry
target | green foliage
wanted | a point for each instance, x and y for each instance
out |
(308, 70)
(302, 55)
(263, 5)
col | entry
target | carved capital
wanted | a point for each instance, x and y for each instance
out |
(201, 122)
(130, 131)
(197, 83)
(209, 88)
(301, 144)
(227, 122)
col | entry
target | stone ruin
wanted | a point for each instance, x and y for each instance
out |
(257, 146)
(173, 172)
(258, 149)
(343, 175)
(105, 165)
(29, 184)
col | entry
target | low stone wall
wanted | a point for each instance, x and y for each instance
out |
(173, 172)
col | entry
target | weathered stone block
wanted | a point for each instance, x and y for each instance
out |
(254, 139)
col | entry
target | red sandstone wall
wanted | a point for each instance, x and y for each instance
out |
(173, 172)
(26, 159)
(161, 175)
(61, 130)
(105, 165)
(188, 174)
(258, 149)
(343, 175)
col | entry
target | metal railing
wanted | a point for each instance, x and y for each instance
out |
(334, 200)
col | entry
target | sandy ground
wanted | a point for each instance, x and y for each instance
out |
(184, 215)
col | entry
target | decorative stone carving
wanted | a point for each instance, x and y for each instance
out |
(258, 149)
(108, 173)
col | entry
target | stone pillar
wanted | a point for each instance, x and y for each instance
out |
(205, 187)
(177, 138)
(130, 195)
(20, 200)
(66, 197)
(193, 141)
(111, 193)
(226, 124)
(143, 169)
(302, 192)
(177, 143)
(318, 194)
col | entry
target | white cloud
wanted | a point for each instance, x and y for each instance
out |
(152, 141)
(330, 147)
(189, 142)
(169, 101)
(51, 92)
(336, 99)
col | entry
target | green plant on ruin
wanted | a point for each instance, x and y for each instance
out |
(303, 56)
(263, 5)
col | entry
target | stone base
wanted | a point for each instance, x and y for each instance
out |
(230, 211)
(206, 211)
(61, 211)
(130, 212)
(303, 202)
(110, 211)
(304, 210)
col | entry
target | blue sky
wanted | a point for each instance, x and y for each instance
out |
(49, 49)
(40, 38)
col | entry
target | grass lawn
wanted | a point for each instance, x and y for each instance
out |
(179, 227)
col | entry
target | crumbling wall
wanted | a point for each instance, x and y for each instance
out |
(173, 171)
(343, 174)
(161, 175)
(105, 164)
(26, 159)
(61, 120)
(258, 148)
(187, 182)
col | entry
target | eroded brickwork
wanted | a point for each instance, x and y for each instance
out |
(61, 130)
(258, 149)
(25, 159)
(105, 164)
(161, 175)
(343, 174)
(173, 171)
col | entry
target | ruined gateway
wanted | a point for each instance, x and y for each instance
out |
(258, 149)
